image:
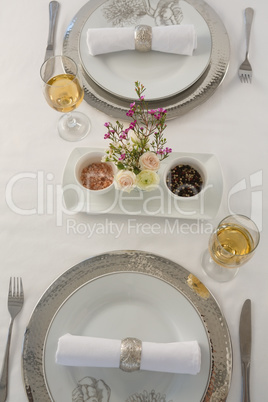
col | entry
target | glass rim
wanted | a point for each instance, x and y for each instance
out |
(75, 75)
(255, 243)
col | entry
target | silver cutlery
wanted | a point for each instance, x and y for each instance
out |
(245, 346)
(53, 13)
(15, 303)
(245, 69)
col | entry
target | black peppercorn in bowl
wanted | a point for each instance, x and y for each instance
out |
(185, 178)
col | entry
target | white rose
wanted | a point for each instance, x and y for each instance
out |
(147, 180)
(149, 161)
(125, 180)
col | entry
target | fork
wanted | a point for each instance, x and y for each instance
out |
(245, 70)
(15, 303)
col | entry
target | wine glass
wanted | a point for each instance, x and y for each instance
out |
(231, 245)
(64, 92)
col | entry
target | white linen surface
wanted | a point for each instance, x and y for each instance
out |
(46, 240)
(85, 351)
(177, 39)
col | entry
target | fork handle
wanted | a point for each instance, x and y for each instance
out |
(4, 372)
(249, 12)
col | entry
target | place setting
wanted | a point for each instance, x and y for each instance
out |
(116, 304)
(128, 324)
(127, 321)
(188, 78)
(132, 325)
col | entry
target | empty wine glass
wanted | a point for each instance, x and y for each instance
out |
(63, 91)
(231, 245)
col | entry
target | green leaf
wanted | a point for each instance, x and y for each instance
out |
(120, 165)
(136, 170)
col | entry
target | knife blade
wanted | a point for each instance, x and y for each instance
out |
(53, 13)
(245, 347)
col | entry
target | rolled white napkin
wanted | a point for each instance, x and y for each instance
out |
(178, 39)
(174, 357)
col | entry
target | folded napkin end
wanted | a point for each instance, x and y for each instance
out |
(129, 355)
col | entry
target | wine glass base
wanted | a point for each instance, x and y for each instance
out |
(74, 126)
(215, 271)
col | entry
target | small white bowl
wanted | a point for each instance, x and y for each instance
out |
(86, 160)
(197, 165)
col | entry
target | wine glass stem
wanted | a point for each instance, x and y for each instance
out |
(71, 121)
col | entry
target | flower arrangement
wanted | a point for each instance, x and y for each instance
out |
(138, 149)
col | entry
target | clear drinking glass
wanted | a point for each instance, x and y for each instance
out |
(63, 91)
(231, 245)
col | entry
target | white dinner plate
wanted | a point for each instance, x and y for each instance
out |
(155, 203)
(121, 294)
(121, 305)
(162, 74)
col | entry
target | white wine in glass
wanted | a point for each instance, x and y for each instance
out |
(231, 245)
(64, 92)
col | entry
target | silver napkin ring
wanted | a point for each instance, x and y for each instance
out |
(130, 356)
(143, 38)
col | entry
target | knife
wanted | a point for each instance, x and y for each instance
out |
(53, 12)
(245, 346)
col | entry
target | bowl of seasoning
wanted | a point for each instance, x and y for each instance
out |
(93, 174)
(185, 178)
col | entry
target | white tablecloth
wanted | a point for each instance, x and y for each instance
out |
(38, 246)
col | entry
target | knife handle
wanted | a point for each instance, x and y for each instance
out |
(245, 376)
(53, 12)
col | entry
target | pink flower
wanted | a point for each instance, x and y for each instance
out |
(168, 150)
(164, 151)
(122, 157)
(130, 113)
(123, 135)
(107, 135)
(125, 180)
(132, 125)
(149, 161)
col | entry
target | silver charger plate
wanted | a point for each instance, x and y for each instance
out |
(179, 103)
(76, 283)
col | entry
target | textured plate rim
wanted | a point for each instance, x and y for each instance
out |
(131, 261)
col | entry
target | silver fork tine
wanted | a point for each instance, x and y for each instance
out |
(21, 289)
(15, 290)
(15, 303)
